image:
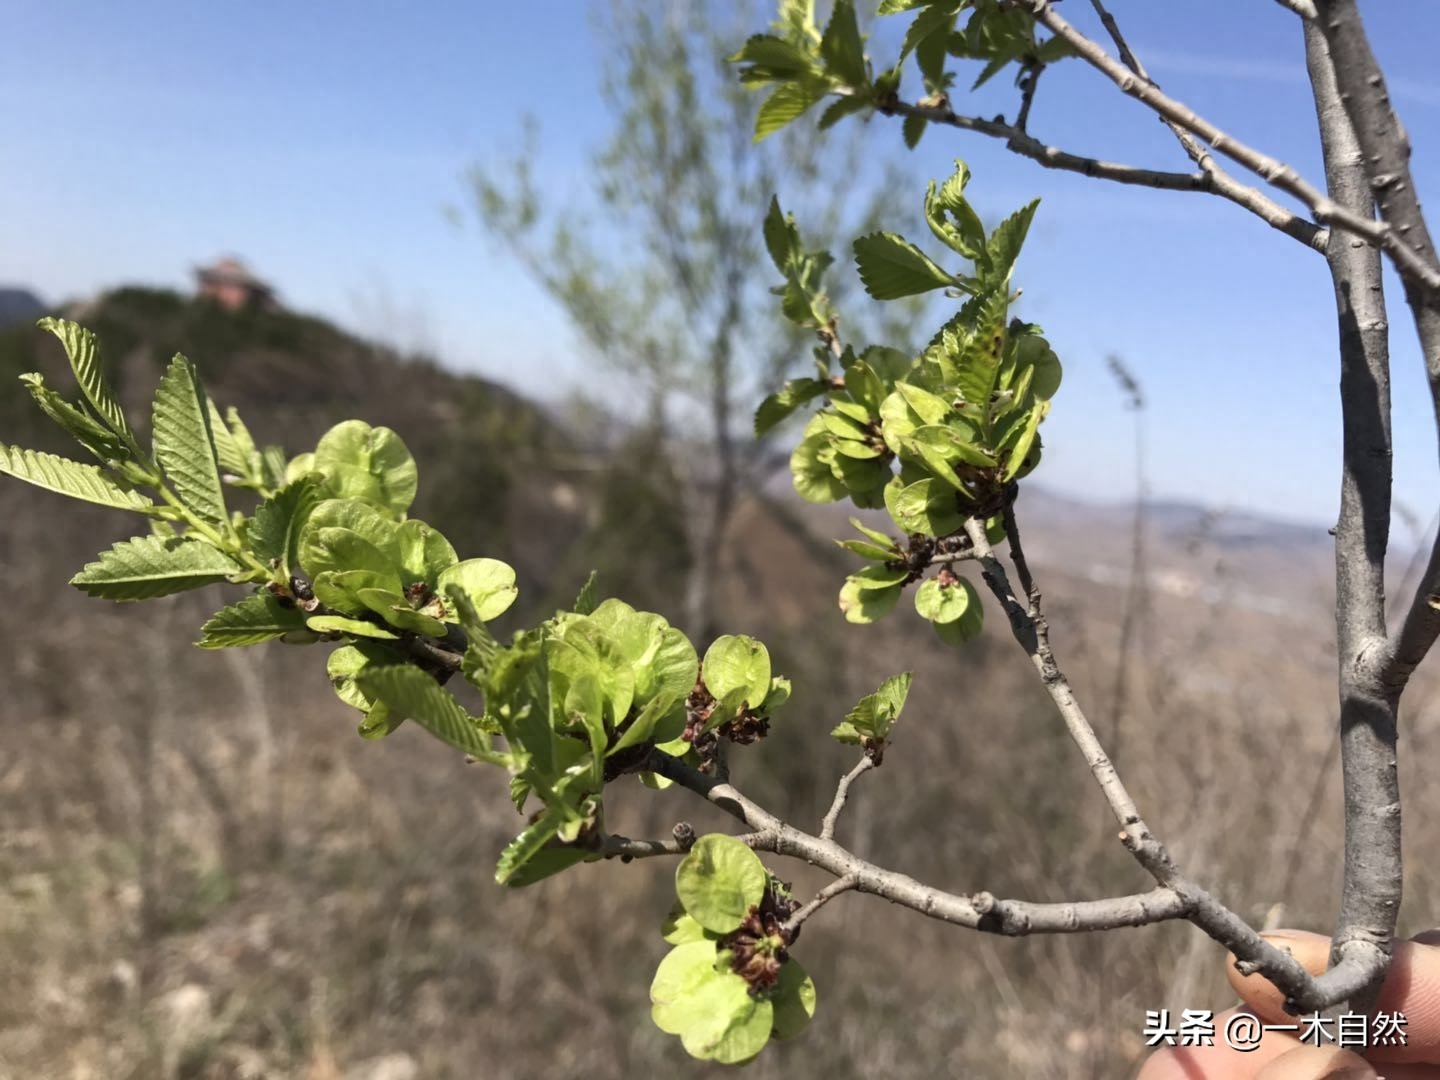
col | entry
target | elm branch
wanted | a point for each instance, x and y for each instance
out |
(1413, 268)
(1208, 180)
(1370, 895)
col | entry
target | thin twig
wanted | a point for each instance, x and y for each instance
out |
(1029, 80)
(1225, 185)
(1411, 265)
(842, 793)
(622, 847)
(823, 897)
(1052, 157)
(1014, 918)
(1209, 182)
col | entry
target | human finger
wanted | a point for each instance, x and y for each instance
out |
(1220, 1061)
(1411, 988)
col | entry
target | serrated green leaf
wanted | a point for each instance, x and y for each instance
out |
(233, 458)
(842, 107)
(774, 59)
(279, 520)
(72, 478)
(891, 267)
(841, 48)
(97, 439)
(719, 881)
(82, 348)
(1021, 451)
(785, 401)
(411, 693)
(251, 621)
(929, 38)
(530, 858)
(983, 350)
(1005, 243)
(870, 721)
(953, 220)
(184, 448)
(782, 239)
(912, 129)
(585, 602)
(145, 567)
(788, 103)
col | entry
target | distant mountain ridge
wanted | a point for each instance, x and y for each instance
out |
(18, 305)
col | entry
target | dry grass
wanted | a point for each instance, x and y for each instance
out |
(204, 873)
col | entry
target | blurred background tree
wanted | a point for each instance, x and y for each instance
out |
(659, 265)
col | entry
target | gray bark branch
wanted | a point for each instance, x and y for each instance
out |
(1370, 897)
(1209, 180)
(1417, 271)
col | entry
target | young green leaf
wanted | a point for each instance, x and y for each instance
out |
(254, 620)
(233, 458)
(585, 602)
(413, 694)
(841, 48)
(785, 401)
(787, 104)
(83, 349)
(891, 267)
(79, 481)
(1021, 451)
(869, 722)
(531, 857)
(145, 567)
(983, 350)
(76, 421)
(275, 530)
(782, 238)
(183, 443)
(1005, 243)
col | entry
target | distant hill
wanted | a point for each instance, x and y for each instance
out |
(19, 306)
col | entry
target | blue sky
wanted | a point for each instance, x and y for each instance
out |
(323, 142)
